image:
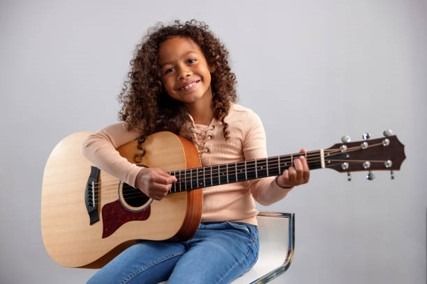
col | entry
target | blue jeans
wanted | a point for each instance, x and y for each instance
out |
(217, 253)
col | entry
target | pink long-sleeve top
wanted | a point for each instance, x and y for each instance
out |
(229, 202)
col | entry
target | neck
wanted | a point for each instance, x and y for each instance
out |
(201, 111)
(202, 118)
(195, 178)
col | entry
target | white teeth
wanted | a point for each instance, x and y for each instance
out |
(188, 86)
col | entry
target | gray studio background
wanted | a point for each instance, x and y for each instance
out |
(313, 70)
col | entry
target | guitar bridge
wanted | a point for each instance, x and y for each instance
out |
(91, 195)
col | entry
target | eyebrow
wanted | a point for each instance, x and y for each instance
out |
(185, 55)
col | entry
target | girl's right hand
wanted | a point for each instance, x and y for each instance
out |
(154, 182)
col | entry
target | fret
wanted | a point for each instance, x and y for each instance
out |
(266, 163)
(193, 181)
(206, 177)
(196, 180)
(274, 166)
(222, 174)
(173, 188)
(241, 174)
(180, 180)
(219, 174)
(256, 169)
(215, 175)
(201, 183)
(283, 164)
(251, 170)
(176, 184)
(184, 182)
(187, 178)
(232, 176)
(261, 168)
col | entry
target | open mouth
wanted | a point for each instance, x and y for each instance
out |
(189, 86)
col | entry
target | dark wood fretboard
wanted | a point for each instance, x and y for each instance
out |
(190, 179)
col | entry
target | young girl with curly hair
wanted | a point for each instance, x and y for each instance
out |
(181, 81)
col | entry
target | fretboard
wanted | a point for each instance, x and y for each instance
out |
(195, 178)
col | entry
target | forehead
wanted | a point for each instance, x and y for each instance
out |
(176, 48)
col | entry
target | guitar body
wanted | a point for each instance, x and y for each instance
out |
(68, 235)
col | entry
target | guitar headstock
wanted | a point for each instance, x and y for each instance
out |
(381, 154)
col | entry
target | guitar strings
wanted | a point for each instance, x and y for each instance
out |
(183, 181)
(186, 177)
(113, 187)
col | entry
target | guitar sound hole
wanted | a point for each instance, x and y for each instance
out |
(133, 196)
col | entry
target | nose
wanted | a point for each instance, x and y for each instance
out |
(184, 72)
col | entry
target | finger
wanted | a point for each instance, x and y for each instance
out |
(306, 170)
(291, 175)
(285, 174)
(167, 178)
(301, 170)
(298, 163)
(163, 179)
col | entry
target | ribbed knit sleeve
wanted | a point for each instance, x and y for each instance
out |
(265, 191)
(100, 149)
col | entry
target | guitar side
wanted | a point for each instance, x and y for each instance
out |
(69, 237)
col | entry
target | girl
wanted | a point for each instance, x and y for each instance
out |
(181, 82)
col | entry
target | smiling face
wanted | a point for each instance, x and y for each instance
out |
(185, 72)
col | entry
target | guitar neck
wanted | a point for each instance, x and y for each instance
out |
(195, 178)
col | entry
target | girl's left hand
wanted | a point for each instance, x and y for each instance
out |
(297, 174)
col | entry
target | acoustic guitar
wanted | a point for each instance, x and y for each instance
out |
(88, 216)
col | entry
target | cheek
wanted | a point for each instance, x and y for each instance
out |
(167, 84)
(168, 87)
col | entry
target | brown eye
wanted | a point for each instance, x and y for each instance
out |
(168, 70)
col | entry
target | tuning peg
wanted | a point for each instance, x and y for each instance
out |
(370, 176)
(388, 133)
(346, 139)
(366, 136)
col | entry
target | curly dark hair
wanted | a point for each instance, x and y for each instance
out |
(145, 104)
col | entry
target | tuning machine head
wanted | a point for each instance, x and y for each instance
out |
(346, 139)
(370, 176)
(388, 133)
